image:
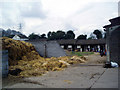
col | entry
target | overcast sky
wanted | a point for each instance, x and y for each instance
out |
(42, 16)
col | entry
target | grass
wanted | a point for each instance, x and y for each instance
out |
(81, 53)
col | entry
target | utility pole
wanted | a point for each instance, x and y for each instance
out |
(20, 27)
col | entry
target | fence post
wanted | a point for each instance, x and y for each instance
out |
(45, 52)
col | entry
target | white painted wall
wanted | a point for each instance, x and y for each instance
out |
(16, 37)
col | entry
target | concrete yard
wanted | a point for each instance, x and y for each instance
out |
(75, 76)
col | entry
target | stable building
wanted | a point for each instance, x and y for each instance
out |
(95, 45)
(113, 40)
(68, 44)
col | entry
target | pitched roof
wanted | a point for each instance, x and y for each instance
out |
(67, 41)
(114, 22)
(82, 42)
(20, 35)
(91, 41)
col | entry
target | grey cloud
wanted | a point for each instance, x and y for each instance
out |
(8, 15)
(86, 8)
(13, 13)
(69, 27)
(97, 6)
(32, 9)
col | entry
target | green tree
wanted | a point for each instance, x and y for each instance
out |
(98, 33)
(60, 35)
(11, 36)
(56, 35)
(43, 36)
(34, 36)
(49, 34)
(82, 37)
(70, 35)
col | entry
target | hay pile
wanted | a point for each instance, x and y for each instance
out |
(42, 65)
(29, 61)
(17, 49)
